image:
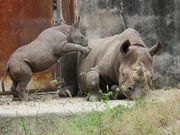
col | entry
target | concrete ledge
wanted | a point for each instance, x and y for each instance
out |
(61, 106)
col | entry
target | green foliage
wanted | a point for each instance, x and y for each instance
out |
(105, 96)
(54, 82)
(24, 125)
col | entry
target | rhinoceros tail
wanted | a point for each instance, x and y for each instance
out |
(2, 82)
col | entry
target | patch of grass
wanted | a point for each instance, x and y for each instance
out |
(150, 118)
(141, 119)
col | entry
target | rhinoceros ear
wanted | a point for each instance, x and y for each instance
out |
(76, 24)
(125, 47)
(153, 50)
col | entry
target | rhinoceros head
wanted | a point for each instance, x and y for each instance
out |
(76, 36)
(135, 71)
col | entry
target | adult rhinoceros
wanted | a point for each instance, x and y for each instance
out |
(123, 60)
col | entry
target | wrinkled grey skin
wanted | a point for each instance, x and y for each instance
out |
(42, 53)
(122, 62)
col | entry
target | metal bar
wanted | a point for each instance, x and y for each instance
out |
(123, 15)
(30, 91)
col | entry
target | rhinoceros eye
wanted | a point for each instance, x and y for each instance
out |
(140, 74)
(123, 74)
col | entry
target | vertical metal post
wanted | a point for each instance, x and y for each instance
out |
(69, 61)
(57, 20)
(59, 70)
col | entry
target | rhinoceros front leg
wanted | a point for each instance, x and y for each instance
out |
(69, 47)
(93, 85)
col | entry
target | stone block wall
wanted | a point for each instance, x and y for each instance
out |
(153, 19)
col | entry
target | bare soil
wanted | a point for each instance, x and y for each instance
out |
(156, 95)
(50, 103)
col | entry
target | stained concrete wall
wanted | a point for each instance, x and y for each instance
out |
(153, 19)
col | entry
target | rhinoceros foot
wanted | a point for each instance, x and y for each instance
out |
(21, 97)
(93, 98)
(116, 92)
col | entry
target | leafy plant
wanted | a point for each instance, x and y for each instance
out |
(105, 96)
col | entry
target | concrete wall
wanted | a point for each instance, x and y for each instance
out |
(153, 19)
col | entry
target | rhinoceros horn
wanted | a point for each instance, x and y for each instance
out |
(153, 50)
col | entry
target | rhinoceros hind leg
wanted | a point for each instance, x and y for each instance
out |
(21, 78)
(93, 85)
(13, 89)
(21, 89)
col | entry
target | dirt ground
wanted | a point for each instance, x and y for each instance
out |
(163, 95)
(159, 95)
(50, 103)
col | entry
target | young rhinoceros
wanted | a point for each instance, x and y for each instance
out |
(42, 53)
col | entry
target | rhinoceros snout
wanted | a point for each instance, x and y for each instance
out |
(127, 91)
(132, 93)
